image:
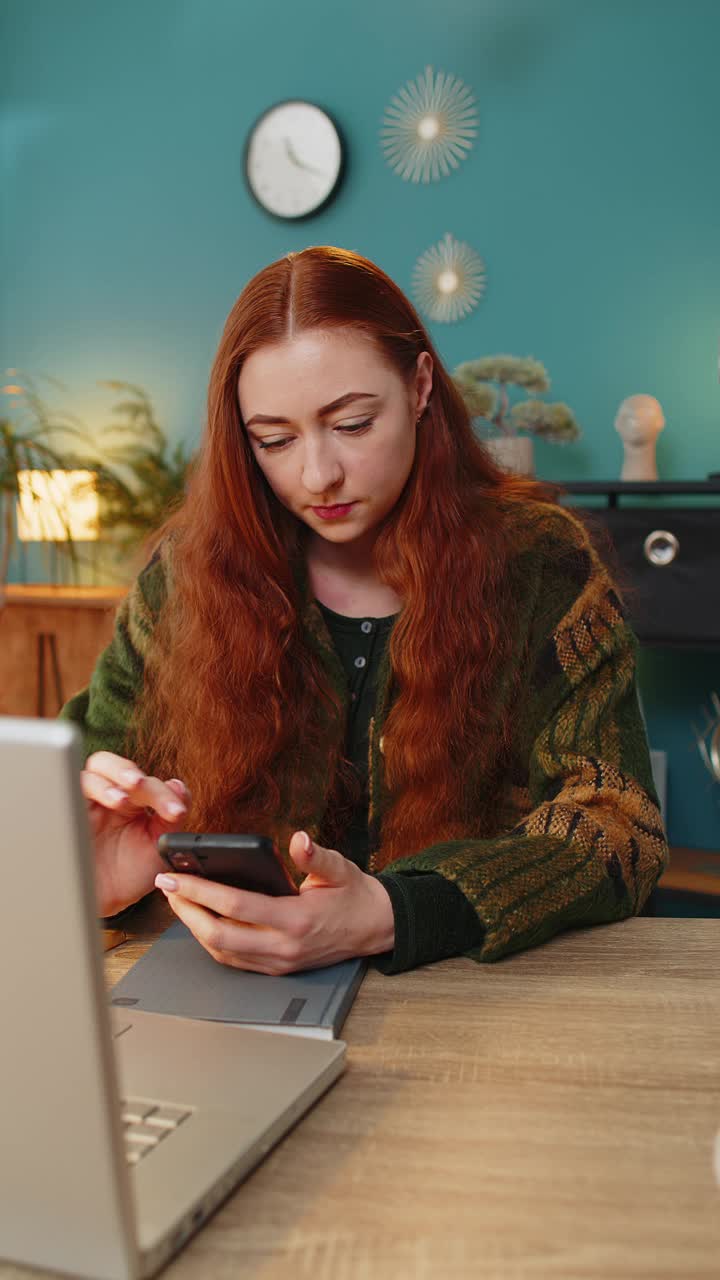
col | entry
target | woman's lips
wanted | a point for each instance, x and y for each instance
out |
(334, 513)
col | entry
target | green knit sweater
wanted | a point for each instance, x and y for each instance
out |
(576, 837)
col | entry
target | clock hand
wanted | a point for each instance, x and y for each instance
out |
(298, 163)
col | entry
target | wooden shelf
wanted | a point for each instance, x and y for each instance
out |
(613, 490)
(651, 487)
(68, 597)
(693, 871)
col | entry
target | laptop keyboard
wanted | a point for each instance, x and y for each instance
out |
(146, 1124)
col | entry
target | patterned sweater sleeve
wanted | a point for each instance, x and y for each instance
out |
(592, 845)
(103, 710)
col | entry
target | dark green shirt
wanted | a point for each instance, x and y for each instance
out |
(433, 918)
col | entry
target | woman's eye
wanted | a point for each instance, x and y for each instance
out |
(350, 428)
(272, 444)
(356, 426)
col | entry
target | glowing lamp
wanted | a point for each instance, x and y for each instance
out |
(57, 506)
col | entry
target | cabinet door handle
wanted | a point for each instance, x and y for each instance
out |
(661, 547)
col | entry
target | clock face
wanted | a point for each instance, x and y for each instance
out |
(294, 159)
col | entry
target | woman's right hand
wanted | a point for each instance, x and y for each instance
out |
(128, 812)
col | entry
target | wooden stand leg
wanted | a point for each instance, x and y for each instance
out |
(49, 640)
(57, 679)
(40, 683)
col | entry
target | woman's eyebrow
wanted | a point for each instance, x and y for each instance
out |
(340, 403)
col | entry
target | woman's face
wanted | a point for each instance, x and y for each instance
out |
(332, 427)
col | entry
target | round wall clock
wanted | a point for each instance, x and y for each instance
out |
(294, 159)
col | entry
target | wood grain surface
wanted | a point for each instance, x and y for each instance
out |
(81, 619)
(550, 1117)
(693, 871)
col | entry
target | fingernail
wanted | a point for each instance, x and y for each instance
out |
(132, 777)
(115, 795)
(167, 883)
(174, 808)
(307, 841)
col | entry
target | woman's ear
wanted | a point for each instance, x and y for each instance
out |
(423, 383)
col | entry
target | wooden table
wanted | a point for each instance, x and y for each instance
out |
(551, 1117)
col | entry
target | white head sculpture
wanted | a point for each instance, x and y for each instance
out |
(639, 421)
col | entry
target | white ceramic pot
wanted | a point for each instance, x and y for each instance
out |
(512, 453)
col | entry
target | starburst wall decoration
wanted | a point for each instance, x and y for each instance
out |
(429, 127)
(448, 280)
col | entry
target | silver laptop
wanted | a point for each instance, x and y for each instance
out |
(118, 1136)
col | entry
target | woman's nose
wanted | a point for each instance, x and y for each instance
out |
(321, 471)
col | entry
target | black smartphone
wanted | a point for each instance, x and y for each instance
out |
(243, 861)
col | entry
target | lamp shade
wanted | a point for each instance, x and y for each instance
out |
(57, 506)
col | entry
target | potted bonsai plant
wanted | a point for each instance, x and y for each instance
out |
(508, 429)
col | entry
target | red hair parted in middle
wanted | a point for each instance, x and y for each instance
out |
(236, 701)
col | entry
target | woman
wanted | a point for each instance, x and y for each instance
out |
(361, 637)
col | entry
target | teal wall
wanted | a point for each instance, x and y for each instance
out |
(593, 193)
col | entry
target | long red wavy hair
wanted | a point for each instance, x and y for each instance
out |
(236, 700)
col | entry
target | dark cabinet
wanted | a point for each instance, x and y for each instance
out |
(666, 560)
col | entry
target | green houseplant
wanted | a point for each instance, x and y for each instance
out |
(137, 475)
(507, 428)
(34, 438)
(141, 478)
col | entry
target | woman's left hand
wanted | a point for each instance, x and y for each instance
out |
(340, 912)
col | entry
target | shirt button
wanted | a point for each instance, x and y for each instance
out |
(366, 627)
(353, 697)
(360, 662)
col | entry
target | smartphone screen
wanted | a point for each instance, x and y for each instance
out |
(242, 861)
